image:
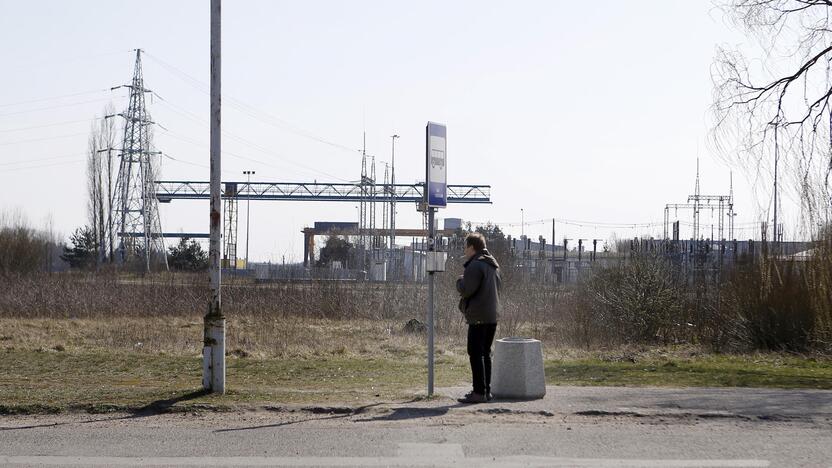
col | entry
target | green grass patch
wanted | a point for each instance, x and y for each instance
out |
(32, 381)
(773, 371)
(100, 382)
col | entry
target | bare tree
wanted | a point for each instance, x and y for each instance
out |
(94, 200)
(772, 109)
(107, 140)
(100, 183)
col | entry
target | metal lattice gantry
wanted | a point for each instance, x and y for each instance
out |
(230, 222)
(723, 204)
(135, 208)
(169, 190)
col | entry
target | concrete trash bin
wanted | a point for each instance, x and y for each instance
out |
(517, 370)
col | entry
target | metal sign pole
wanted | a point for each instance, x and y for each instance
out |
(436, 196)
(431, 248)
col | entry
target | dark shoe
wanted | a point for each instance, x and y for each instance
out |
(473, 398)
(489, 396)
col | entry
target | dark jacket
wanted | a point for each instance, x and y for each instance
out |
(480, 289)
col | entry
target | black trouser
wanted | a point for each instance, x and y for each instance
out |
(480, 338)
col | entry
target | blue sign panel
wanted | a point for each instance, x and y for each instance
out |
(437, 170)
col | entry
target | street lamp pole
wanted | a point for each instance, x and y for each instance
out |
(248, 210)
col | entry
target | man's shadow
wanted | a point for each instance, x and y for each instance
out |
(336, 415)
(397, 414)
(406, 413)
(165, 406)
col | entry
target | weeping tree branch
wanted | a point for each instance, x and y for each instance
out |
(784, 89)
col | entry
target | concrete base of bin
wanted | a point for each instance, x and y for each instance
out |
(517, 369)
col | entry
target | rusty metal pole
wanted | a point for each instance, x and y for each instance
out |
(213, 351)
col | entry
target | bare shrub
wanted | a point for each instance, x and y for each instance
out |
(642, 300)
(819, 285)
(770, 306)
(24, 249)
(777, 303)
(637, 301)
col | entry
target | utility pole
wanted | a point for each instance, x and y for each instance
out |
(213, 351)
(393, 139)
(731, 213)
(373, 233)
(110, 237)
(595, 248)
(522, 223)
(696, 205)
(365, 222)
(776, 161)
(523, 237)
(553, 250)
(248, 211)
(385, 208)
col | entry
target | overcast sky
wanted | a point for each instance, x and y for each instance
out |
(592, 111)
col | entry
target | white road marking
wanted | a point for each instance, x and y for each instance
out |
(412, 459)
(412, 451)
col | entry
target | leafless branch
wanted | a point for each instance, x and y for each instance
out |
(750, 102)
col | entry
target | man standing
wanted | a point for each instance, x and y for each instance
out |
(479, 287)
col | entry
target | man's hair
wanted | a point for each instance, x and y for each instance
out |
(475, 240)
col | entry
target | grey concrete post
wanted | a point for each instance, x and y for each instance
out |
(213, 351)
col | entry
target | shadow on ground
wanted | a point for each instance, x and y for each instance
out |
(334, 413)
(153, 408)
(409, 412)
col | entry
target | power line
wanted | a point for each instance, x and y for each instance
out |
(50, 158)
(56, 60)
(233, 154)
(191, 163)
(53, 98)
(56, 107)
(596, 224)
(56, 124)
(7, 143)
(182, 111)
(244, 141)
(247, 109)
(4, 171)
(185, 162)
(225, 152)
(571, 222)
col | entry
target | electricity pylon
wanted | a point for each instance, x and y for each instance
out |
(135, 208)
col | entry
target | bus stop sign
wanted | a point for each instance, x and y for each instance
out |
(437, 171)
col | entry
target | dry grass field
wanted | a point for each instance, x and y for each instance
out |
(103, 342)
(127, 363)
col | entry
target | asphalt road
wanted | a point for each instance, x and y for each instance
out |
(571, 427)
